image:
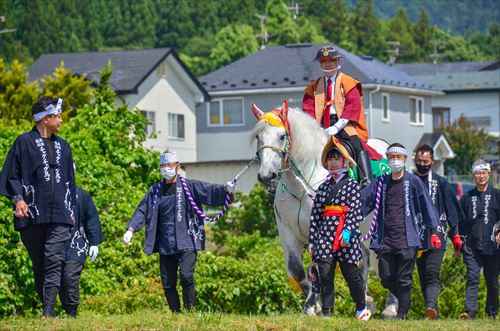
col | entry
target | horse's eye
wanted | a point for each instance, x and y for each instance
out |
(282, 137)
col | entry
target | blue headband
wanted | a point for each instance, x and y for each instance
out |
(49, 110)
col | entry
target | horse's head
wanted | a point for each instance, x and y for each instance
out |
(273, 142)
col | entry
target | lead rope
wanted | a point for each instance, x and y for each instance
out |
(198, 211)
(373, 226)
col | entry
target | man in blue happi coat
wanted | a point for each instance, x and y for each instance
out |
(85, 238)
(480, 229)
(406, 212)
(38, 176)
(173, 229)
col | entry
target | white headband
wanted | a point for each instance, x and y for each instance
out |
(396, 149)
(481, 166)
(168, 158)
(49, 110)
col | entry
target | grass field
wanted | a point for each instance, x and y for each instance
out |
(164, 320)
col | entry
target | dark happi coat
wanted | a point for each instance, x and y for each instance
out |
(419, 212)
(323, 228)
(41, 172)
(189, 231)
(489, 210)
(446, 204)
(87, 230)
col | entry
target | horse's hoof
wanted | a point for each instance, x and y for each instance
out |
(390, 312)
(309, 311)
(317, 309)
(370, 304)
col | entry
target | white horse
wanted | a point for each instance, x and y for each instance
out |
(289, 144)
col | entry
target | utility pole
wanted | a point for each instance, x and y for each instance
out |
(435, 56)
(263, 36)
(295, 9)
(393, 52)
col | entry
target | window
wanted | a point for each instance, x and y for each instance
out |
(482, 122)
(385, 107)
(176, 126)
(225, 112)
(151, 126)
(416, 110)
(440, 118)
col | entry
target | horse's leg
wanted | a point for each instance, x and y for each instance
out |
(292, 253)
(391, 306)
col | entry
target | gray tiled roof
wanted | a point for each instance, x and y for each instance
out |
(420, 69)
(292, 65)
(429, 139)
(130, 68)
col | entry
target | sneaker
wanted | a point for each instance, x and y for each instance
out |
(430, 313)
(467, 315)
(363, 315)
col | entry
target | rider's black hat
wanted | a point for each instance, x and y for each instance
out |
(328, 52)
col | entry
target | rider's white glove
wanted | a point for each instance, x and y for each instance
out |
(332, 130)
(230, 186)
(127, 237)
(93, 251)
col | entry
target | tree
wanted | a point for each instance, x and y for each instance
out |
(73, 89)
(336, 22)
(174, 26)
(468, 142)
(423, 36)
(400, 31)
(232, 43)
(366, 31)
(16, 96)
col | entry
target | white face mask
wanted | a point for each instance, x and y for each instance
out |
(396, 165)
(168, 172)
(330, 71)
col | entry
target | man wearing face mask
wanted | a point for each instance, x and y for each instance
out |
(444, 200)
(334, 100)
(481, 206)
(173, 229)
(406, 211)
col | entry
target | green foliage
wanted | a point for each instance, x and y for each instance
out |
(232, 43)
(16, 97)
(467, 141)
(74, 89)
(366, 33)
(252, 212)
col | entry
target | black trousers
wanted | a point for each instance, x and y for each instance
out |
(185, 262)
(429, 269)
(395, 270)
(69, 293)
(46, 245)
(352, 275)
(474, 261)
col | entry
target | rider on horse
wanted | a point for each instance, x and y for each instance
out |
(334, 99)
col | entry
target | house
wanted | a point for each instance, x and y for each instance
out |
(154, 81)
(398, 107)
(471, 89)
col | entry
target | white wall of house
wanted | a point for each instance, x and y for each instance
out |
(480, 107)
(164, 92)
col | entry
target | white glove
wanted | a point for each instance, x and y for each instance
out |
(127, 237)
(93, 251)
(230, 186)
(332, 130)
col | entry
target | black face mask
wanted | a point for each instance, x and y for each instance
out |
(423, 169)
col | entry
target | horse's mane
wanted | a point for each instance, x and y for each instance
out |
(307, 137)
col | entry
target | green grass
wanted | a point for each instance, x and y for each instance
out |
(164, 320)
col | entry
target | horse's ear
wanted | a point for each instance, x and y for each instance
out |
(284, 110)
(256, 111)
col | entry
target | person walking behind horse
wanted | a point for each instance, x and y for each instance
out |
(406, 210)
(173, 229)
(334, 230)
(38, 176)
(334, 100)
(444, 200)
(85, 238)
(481, 206)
